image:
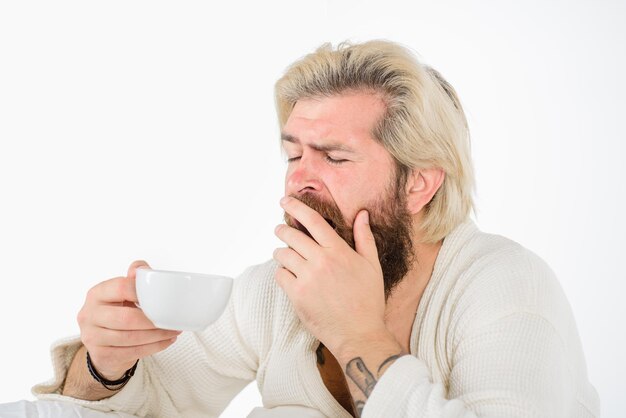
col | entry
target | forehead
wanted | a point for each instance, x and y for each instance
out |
(346, 118)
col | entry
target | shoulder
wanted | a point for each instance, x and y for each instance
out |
(494, 262)
(493, 277)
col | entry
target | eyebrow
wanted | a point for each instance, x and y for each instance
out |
(331, 146)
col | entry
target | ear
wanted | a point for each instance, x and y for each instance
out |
(421, 186)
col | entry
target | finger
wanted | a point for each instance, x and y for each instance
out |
(289, 259)
(116, 338)
(121, 318)
(315, 223)
(133, 352)
(132, 270)
(298, 240)
(285, 279)
(132, 274)
(118, 289)
(364, 241)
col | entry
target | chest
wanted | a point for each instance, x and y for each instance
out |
(334, 379)
(292, 363)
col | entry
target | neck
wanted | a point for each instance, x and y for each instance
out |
(407, 294)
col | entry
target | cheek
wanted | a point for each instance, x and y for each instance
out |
(351, 194)
(364, 193)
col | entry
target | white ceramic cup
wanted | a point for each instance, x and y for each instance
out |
(182, 301)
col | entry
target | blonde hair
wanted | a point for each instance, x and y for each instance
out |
(424, 125)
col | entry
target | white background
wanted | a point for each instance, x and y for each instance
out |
(146, 130)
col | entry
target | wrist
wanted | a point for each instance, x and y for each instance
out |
(374, 340)
(106, 373)
(110, 384)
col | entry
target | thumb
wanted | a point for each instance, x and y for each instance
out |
(364, 239)
(132, 270)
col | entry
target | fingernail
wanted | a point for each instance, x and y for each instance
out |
(285, 200)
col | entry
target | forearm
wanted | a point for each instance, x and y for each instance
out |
(365, 361)
(80, 384)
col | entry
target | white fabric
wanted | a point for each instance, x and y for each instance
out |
(56, 409)
(286, 412)
(494, 336)
(53, 409)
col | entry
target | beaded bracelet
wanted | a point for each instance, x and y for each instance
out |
(120, 383)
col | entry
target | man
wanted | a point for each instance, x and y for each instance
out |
(386, 300)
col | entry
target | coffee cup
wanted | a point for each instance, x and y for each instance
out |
(182, 301)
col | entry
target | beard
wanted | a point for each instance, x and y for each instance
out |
(390, 222)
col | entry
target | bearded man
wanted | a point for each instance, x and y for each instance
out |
(386, 301)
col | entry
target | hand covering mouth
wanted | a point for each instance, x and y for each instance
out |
(302, 228)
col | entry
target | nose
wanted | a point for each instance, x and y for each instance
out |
(302, 177)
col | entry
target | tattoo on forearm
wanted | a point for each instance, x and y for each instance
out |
(361, 376)
(388, 361)
(359, 405)
(364, 379)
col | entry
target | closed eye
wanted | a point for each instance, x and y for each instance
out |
(333, 161)
(327, 158)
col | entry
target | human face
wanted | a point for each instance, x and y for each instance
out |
(332, 154)
(390, 221)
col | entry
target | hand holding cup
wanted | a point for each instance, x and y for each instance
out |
(114, 330)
